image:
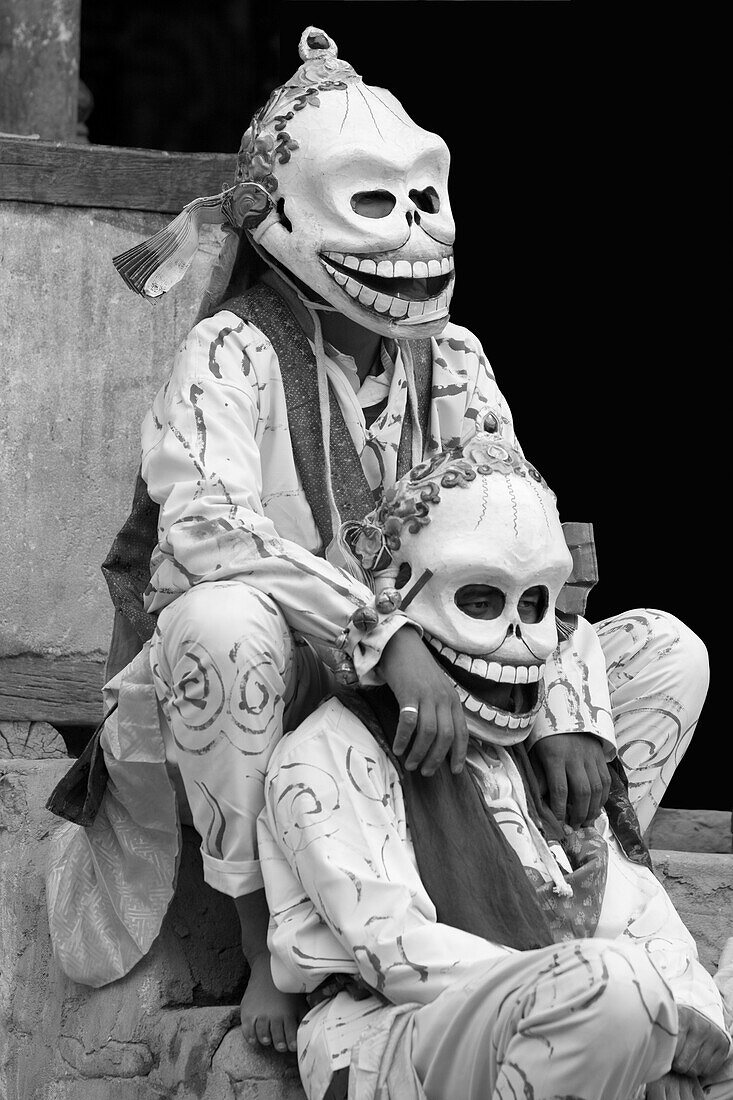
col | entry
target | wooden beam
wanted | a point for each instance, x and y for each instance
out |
(43, 689)
(71, 174)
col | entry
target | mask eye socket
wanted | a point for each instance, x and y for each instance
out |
(480, 601)
(426, 200)
(533, 604)
(373, 204)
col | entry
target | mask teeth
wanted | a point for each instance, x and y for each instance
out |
(387, 269)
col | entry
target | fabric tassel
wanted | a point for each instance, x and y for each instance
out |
(566, 625)
(152, 267)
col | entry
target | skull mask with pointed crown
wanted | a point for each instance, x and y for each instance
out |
(340, 191)
(360, 212)
(478, 533)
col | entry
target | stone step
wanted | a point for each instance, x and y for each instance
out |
(169, 1028)
(691, 830)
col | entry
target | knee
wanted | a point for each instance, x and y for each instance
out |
(227, 619)
(686, 652)
(630, 1002)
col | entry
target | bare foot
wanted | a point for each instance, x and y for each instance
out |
(269, 1016)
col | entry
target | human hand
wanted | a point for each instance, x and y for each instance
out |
(675, 1086)
(576, 777)
(701, 1046)
(430, 710)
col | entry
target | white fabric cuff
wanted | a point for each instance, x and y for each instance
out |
(368, 651)
(235, 878)
(540, 731)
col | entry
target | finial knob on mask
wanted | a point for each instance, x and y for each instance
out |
(315, 43)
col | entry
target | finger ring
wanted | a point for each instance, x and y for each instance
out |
(413, 710)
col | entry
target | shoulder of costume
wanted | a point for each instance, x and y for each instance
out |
(333, 723)
(458, 338)
(253, 308)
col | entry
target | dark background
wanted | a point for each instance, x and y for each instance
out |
(590, 183)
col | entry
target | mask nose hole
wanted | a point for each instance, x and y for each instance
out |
(408, 215)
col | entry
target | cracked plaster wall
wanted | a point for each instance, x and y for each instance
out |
(82, 358)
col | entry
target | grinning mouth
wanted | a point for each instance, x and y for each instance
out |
(401, 288)
(507, 695)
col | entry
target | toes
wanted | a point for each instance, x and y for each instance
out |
(248, 1030)
(277, 1031)
(262, 1031)
(291, 1032)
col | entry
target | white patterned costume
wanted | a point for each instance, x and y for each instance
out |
(456, 1015)
(236, 572)
(241, 585)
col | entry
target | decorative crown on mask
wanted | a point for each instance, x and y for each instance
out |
(374, 541)
(266, 142)
(338, 190)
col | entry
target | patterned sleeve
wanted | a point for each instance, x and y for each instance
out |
(333, 808)
(487, 408)
(576, 696)
(201, 463)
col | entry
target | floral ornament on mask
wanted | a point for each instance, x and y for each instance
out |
(267, 143)
(478, 533)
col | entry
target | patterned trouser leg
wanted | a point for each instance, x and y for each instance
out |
(658, 678)
(226, 669)
(590, 1019)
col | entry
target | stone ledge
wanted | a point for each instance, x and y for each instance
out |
(169, 1029)
(690, 830)
(701, 888)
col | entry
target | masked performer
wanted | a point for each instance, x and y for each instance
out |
(455, 939)
(294, 403)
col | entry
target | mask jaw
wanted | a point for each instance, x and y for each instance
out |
(412, 304)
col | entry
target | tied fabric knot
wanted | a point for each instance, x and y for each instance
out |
(154, 266)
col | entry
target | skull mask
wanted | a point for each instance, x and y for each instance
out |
(340, 191)
(482, 525)
(360, 209)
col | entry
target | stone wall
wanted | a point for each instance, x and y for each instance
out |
(168, 1029)
(81, 359)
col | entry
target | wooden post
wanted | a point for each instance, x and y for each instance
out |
(39, 68)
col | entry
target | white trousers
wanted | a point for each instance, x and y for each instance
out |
(658, 678)
(590, 1018)
(229, 677)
